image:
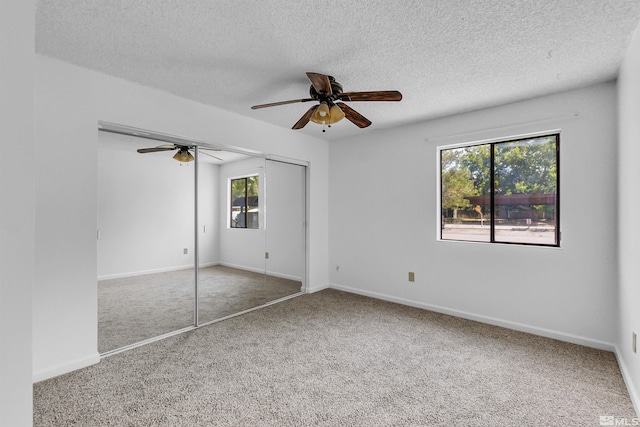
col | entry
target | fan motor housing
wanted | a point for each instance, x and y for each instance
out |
(336, 88)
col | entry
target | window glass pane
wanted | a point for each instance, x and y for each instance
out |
(525, 191)
(244, 202)
(252, 202)
(466, 185)
(238, 198)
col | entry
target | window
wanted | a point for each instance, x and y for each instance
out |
(502, 192)
(244, 202)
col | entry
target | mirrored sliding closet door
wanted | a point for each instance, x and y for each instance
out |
(285, 227)
(232, 240)
(145, 242)
(167, 204)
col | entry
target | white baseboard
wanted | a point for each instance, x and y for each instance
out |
(284, 276)
(203, 265)
(209, 264)
(157, 270)
(318, 288)
(66, 368)
(548, 333)
(633, 391)
(242, 267)
(260, 271)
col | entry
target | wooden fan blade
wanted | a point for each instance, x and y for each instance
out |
(353, 116)
(380, 95)
(273, 104)
(305, 118)
(154, 149)
(320, 83)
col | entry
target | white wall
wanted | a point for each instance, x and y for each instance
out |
(69, 102)
(384, 221)
(65, 292)
(16, 211)
(145, 209)
(628, 213)
(209, 199)
(285, 220)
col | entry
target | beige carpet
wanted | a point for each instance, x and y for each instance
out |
(338, 359)
(133, 309)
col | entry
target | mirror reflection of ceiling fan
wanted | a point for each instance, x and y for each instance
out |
(184, 146)
(331, 107)
(184, 151)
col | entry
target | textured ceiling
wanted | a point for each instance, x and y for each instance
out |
(445, 56)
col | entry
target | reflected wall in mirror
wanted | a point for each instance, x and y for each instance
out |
(285, 222)
(145, 242)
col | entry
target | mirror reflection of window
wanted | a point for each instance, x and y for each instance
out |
(244, 202)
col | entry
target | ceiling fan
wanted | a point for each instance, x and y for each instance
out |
(183, 154)
(330, 109)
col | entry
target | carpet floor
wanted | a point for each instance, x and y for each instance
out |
(133, 309)
(337, 359)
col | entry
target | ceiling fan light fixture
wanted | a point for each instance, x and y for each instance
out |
(335, 114)
(183, 156)
(323, 115)
(323, 110)
(317, 119)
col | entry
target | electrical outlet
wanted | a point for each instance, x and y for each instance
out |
(185, 251)
(633, 342)
(412, 276)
